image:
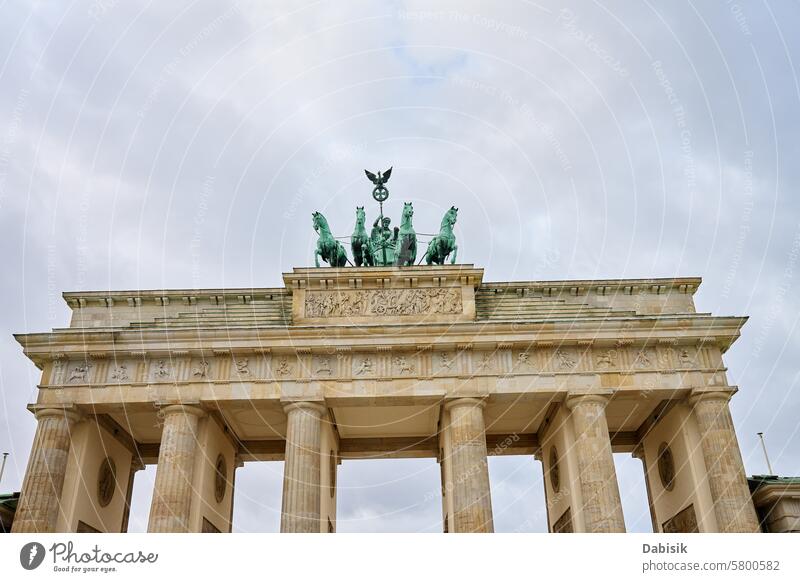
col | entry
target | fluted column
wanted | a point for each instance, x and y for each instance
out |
(602, 508)
(172, 493)
(300, 507)
(472, 499)
(733, 505)
(44, 477)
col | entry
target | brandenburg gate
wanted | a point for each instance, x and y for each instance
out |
(385, 361)
(427, 361)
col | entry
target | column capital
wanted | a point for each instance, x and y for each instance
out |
(305, 404)
(465, 401)
(68, 411)
(573, 399)
(136, 464)
(181, 408)
(701, 395)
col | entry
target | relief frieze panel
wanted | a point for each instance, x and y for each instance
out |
(382, 362)
(383, 302)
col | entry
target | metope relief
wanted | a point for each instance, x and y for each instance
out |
(78, 373)
(161, 370)
(200, 370)
(564, 359)
(606, 359)
(363, 366)
(323, 366)
(525, 362)
(686, 359)
(242, 367)
(385, 302)
(404, 365)
(282, 367)
(643, 359)
(485, 363)
(120, 373)
(444, 363)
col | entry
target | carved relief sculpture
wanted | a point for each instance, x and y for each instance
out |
(200, 370)
(642, 360)
(324, 366)
(565, 360)
(446, 361)
(120, 373)
(486, 362)
(403, 366)
(106, 482)
(607, 359)
(243, 366)
(666, 467)
(385, 302)
(524, 360)
(161, 370)
(79, 373)
(365, 367)
(220, 479)
(685, 521)
(283, 369)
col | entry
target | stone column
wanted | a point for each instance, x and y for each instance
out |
(602, 508)
(172, 493)
(44, 477)
(300, 507)
(733, 505)
(472, 499)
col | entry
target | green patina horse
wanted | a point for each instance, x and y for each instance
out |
(405, 250)
(360, 243)
(443, 244)
(330, 249)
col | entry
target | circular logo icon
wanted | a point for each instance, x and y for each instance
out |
(31, 555)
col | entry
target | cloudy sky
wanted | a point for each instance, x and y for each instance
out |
(185, 144)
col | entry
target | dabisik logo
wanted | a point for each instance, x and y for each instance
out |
(31, 555)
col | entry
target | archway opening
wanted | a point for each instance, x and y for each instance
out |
(257, 497)
(633, 493)
(389, 495)
(141, 498)
(518, 502)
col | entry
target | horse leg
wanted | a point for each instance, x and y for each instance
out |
(316, 256)
(455, 253)
(338, 256)
(369, 260)
(428, 254)
(357, 253)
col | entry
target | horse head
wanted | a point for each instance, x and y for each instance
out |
(450, 217)
(361, 216)
(408, 211)
(319, 222)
